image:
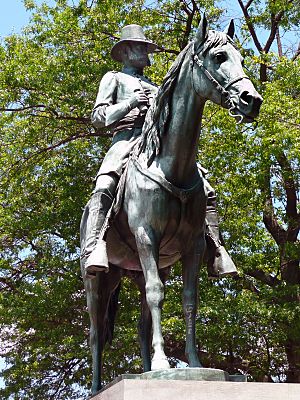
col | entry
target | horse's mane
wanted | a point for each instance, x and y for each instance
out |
(158, 115)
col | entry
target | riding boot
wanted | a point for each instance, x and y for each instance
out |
(219, 262)
(95, 251)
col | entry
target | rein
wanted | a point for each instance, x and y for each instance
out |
(225, 95)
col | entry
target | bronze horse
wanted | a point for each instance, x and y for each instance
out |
(162, 216)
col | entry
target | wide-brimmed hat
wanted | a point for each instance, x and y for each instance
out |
(131, 33)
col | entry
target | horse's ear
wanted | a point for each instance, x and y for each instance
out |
(230, 29)
(202, 31)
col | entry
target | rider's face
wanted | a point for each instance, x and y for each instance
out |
(137, 55)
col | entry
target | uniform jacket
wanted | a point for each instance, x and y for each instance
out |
(115, 90)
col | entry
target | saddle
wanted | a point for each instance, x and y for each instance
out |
(182, 194)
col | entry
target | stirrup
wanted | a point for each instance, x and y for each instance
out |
(221, 265)
(97, 260)
(225, 262)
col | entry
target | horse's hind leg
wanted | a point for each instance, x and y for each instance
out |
(191, 264)
(145, 321)
(99, 293)
(144, 328)
(147, 245)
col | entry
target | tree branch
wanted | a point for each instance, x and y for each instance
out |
(263, 277)
(104, 132)
(247, 283)
(6, 283)
(296, 55)
(52, 111)
(195, 7)
(275, 20)
(279, 44)
(288, 122)
(19, 109)
(291, 197)
(171, 51)
(250, 26)
(269, 217)
(67, 140)
(188, 27)
(248, 4)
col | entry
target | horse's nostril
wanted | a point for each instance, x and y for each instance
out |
(250, 103)
(246, 98)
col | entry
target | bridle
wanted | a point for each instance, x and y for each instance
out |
(225, 95)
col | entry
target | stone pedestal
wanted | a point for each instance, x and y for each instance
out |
(194, 384)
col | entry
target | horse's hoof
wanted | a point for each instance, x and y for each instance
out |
(161, 363)
(193, 360)
(196, 364)
(90, 275)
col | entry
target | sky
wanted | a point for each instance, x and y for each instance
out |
(13, 16)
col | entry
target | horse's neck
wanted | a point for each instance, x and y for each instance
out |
(180, 143)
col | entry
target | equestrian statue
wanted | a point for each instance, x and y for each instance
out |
(152, 205)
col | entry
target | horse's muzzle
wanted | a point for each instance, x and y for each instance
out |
(249, 104)
(246, 100)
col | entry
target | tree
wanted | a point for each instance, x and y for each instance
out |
(50, 153)
(275, 163)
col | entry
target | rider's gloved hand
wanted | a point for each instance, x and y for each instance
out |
(139, 99)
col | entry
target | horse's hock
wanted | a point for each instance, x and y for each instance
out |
(179, 384)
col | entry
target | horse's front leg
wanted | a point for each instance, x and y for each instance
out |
(148, 248)
(191, 264)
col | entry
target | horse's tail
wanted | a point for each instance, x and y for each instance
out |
(111, 314)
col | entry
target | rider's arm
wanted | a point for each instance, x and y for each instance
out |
(106, 112)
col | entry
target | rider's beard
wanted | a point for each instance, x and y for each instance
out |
(139, 61)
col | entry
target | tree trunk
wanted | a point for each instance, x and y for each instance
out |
(291, 275)
(292, 349)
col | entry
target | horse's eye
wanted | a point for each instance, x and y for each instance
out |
(220, 57)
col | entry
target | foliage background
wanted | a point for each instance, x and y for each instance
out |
(49, 76)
